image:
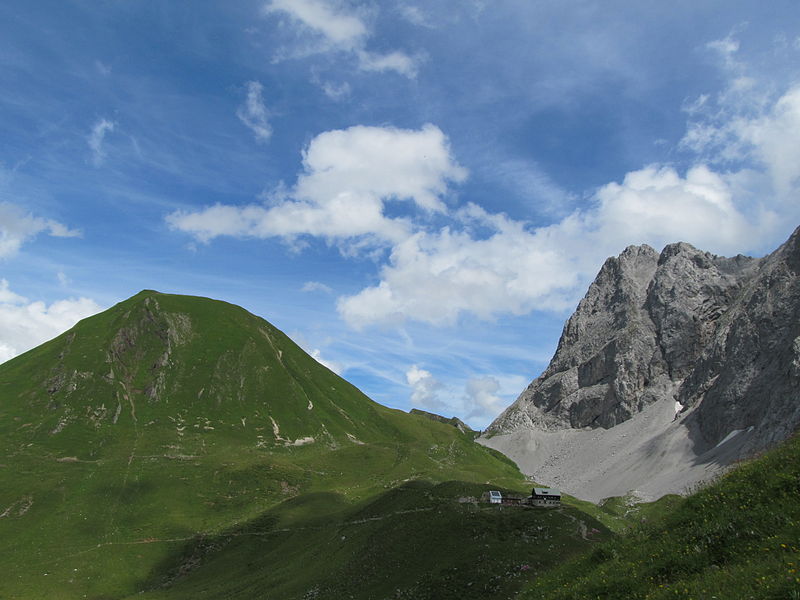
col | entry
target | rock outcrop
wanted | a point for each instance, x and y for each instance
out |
(718, 336)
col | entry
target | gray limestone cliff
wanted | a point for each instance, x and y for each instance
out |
(720, 336)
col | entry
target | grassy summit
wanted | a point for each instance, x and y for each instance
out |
(167, 424)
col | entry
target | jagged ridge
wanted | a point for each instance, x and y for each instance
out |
(717, 335)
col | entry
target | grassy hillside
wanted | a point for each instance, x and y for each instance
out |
(738, 538)
(416, 541)
(167, 419)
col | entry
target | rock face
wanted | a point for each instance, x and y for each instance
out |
(720, 336)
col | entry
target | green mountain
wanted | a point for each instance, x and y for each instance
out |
(183, 447)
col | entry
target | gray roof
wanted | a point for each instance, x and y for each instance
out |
(546, 492)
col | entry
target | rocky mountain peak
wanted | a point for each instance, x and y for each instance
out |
(673, 366)
(659, 325)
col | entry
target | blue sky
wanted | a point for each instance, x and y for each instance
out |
(417, 193)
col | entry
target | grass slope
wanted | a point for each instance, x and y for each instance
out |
(416, 541)
(738, 538)
(168, 418)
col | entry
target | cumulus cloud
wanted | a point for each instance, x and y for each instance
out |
(738, 196)
(657, 205)
(342, 31)
(481, 399)
(486, 264)
(18, 227)
(25, 324)
(254, 114)
(348, 177)
(424, 388)
(773, 140)
(97, 137)
(437, 277)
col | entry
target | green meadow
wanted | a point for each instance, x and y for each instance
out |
(738, 538)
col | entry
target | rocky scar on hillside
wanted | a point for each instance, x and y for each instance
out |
(720, 336)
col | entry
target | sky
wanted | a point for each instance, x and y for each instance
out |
(418, 193)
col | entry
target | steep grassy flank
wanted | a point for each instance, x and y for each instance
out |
(416, 541)
(621, 513)
(738, 538)
(166, 418)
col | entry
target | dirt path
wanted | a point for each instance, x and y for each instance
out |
(172, 540)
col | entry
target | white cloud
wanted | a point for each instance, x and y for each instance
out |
(383, 162)
(25, 324)
(750, 129)
(487, 265)
(336, 91)
(394, 61)
(316, 286)
(17, 227)
(424, 388)
(344, 32)
(727, 48)
(748, 123)
(254, 114)
(97, 137)
(481, 399)
(341, 29)
(348, 177)
(773, 139)
(739, 196)
(437, 277)
(414, 15)
(658, 206)
(334, 366)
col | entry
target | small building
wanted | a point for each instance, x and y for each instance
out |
(492, 497)
(512, 500)
(545, 497)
